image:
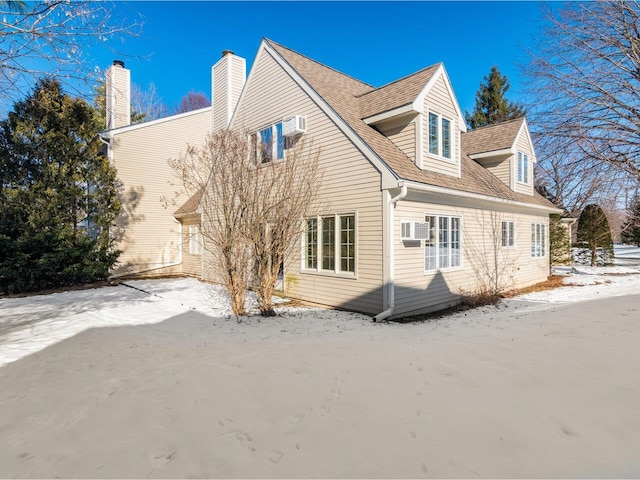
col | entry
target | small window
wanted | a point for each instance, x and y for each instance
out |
(440, 136)
(269, 144)
(538, 240)
(195, 242)
(347, 243)
(508, 233)
(523, 167)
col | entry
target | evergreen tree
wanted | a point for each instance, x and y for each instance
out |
(58, 194)
(631, 228)
(559, 241)
(594, 235)
(491, 104)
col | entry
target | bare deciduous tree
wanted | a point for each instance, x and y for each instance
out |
(283, 196)
(193, 101)
(571, 179)
(586, 80)
(494, 263)
(50, 39)
(251, 211)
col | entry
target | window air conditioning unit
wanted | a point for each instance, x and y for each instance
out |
(414, 230)
(295, 125)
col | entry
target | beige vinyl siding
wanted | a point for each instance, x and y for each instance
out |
(402, 133)
(191, 264)
(439, 101)
(417, 291)
(220, 97)
(500, 168)
(523, 145)
(151, 239)
(237, 79)
(351, 185)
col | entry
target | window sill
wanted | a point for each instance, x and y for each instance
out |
(329, 273)
(443, 270)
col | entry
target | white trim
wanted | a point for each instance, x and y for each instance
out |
(420, 141)
(525, 127)
(493, 153)
(396, 112)
(110, 133)
(450, 268)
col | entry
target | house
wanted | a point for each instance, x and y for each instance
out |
(417, 210)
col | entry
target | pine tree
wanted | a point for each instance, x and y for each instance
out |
(491, 104)
(631, 228)
(58, 193)
(594, 235)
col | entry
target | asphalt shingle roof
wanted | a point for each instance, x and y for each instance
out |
(492, 137)
(348, 97)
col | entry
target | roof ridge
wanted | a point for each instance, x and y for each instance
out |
(401, 79)
(271, 42)
(511, 120)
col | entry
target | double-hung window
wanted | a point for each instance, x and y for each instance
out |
(538, 239)
(440, 136)
(523, 167)
(268, 144)
(508, 233)
(330, 244)
(442, 248)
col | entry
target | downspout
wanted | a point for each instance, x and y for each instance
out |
(388, 260)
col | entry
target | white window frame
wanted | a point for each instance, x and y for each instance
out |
(435, 231)
(538, 240)
(257, 144)
(440, 119)
(195, 240)
(523, 173)
(508, 241)
(337, 257)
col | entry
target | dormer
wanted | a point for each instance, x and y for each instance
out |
(506, 150)
(421, 116)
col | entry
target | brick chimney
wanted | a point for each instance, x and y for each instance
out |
(227, 80)
(118, 93)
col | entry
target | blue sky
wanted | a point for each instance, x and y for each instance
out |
(376, 42)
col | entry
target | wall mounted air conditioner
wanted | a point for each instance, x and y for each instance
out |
(414, 230)
(295, 125)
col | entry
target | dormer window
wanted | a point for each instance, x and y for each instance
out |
(523, 167)
(440, 138)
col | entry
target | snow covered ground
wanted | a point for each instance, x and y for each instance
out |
(157, 378)
(30, 324)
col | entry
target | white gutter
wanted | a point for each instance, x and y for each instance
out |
(388, 242)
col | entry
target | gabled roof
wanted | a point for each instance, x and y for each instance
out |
(492, 138)
(395, 94)
(344, 95)
(190, 206)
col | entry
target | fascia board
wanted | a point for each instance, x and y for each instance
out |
(493, 153)
(396, 112)
(421, 187)
(389, 177)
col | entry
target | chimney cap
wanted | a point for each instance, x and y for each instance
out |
(227, 52)
(118, 63)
